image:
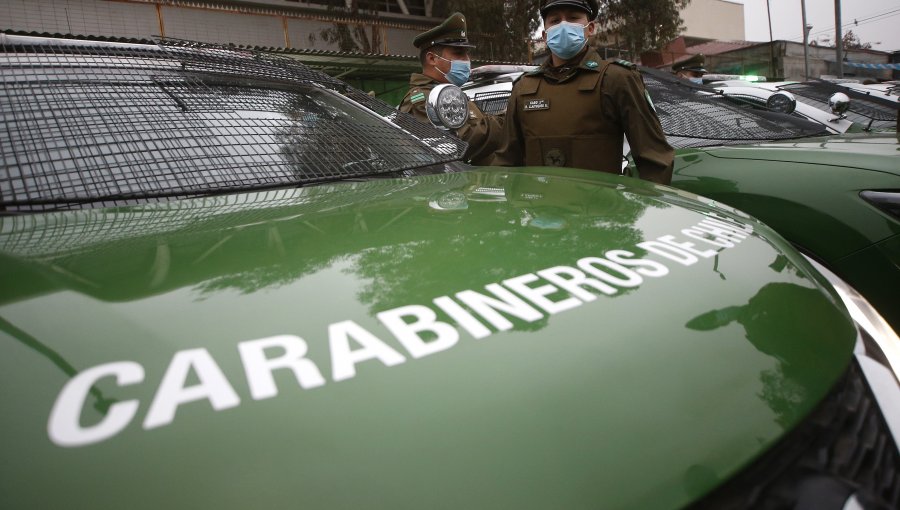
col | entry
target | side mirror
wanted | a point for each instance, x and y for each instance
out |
(447, 107)
(839, 103)
(782, 102)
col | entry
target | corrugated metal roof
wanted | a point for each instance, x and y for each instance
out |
(708, 47)
(716, 47)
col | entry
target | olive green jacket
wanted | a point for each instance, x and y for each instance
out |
(484, 133)
(577, 116)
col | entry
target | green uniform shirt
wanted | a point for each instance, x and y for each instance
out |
(484, 133)
(577, 117)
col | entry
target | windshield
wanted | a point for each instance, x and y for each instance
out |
(91, 126)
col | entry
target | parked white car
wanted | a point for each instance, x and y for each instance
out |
(760, 95)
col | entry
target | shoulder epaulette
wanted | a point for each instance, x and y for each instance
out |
(416, 96)
(626, 64)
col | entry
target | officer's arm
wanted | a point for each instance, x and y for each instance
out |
(484, 133)
(510, 152)
(652, 153)
(414, 103)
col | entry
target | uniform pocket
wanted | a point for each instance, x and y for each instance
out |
(548, 151)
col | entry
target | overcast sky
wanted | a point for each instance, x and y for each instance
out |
(876, 20)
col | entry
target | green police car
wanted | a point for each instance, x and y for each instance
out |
(229, 281)
(835, 197)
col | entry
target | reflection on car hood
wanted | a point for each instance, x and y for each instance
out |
(699, 348)
(880, 152)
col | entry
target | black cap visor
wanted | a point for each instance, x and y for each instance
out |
(464, 43)
(578, 4)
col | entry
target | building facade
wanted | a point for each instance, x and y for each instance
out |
(783, 60)
(366, 43)
(388, 28)
(714, 19)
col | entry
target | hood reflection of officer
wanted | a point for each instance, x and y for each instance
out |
(691, 69)
(576, 109)
(444, 54)
(775, 308)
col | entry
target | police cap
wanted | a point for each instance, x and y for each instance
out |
(588, 6)
(452, 32)
(695, 63)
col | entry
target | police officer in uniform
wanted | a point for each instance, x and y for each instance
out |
(444, 53)
(576, 108)
(691, 69)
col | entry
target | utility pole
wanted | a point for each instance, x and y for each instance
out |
(806, 29)
(772, 42)
(839, 38)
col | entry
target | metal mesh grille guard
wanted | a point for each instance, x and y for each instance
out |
(695, 116)
(86, 122)
(492, 103)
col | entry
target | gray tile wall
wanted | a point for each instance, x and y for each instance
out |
(79, 17)
(300, 30)
(223, 27)
(139, 20)
(400, 41)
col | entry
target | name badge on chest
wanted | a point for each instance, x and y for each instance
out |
(537, 104)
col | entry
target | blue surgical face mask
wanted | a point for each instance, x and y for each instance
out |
(566, 39)
(698, 81)
(459, 71)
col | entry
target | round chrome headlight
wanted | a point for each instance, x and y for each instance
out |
(447, 107)
(839, 103)
(449, 201)
(782, 102)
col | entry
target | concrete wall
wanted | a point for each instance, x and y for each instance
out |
(788, 64)
(822, 62)
(714, 19)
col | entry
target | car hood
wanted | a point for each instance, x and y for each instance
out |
(138, 344)
(877, 152)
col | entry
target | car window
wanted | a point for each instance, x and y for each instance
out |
(91, 126)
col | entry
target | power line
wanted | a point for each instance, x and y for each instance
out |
(855, 23)
(872, 19)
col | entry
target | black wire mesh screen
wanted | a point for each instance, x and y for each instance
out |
(695, 116)
(88, 122)
(867, 105)
(493, 103)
